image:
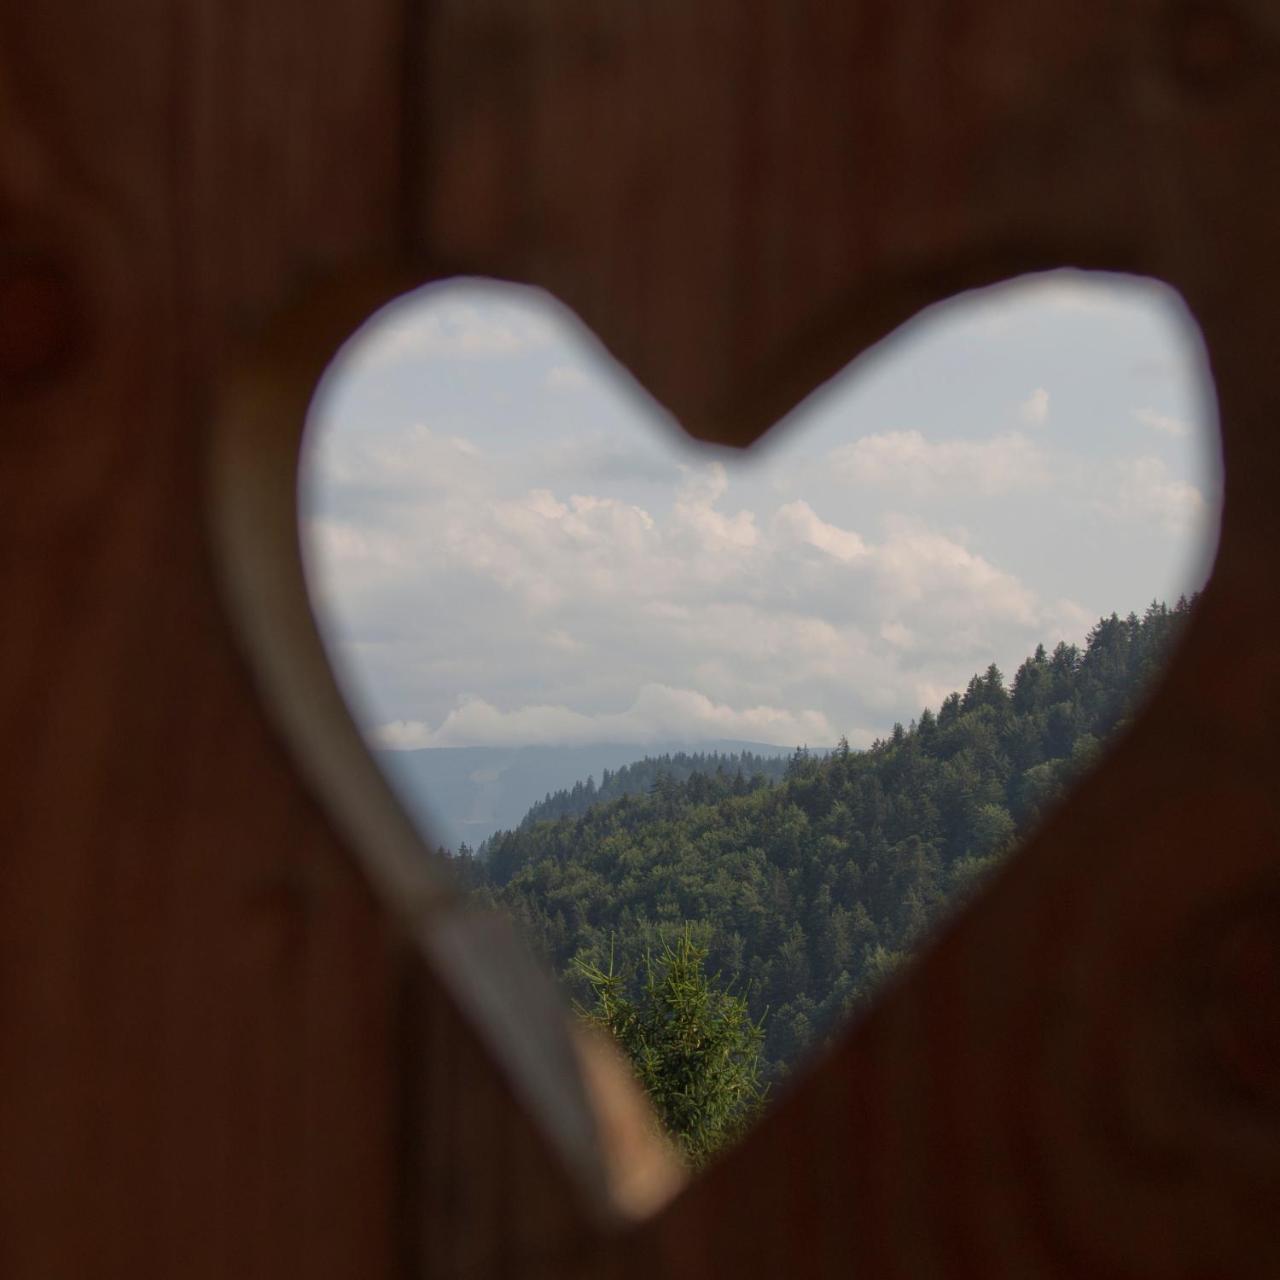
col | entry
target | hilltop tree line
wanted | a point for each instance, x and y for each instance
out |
(807, 890)
(642, 776)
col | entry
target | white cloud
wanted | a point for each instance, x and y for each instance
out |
(1088, 291)
(699, 620)
(799, 520)
(1163, 423)
(566, 377)
(897, 635)
(1034, 410)
(561, 639)
(1144, 491)
(659, 713)
(401, 735)
(415, 460)
(929, 569)
(998, 308)
(695, 511)
(575, 587)
(450, 329)
(343, 543)
(905, 462)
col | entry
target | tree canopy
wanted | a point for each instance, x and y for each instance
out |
(692, 1044)
(805, 892)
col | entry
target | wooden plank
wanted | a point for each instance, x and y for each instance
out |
(740, 197)
(233, 1041)
(194, 981)
(199, 984)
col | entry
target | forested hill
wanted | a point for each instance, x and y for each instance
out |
(809, 890)
(462, 795)
(642, 776)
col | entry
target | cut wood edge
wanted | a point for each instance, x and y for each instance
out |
(580, 1097)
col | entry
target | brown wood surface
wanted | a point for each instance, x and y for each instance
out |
(203, 1005)
(243, 1030)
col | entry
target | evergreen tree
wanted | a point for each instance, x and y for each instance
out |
(809, 877)
(692, 1044)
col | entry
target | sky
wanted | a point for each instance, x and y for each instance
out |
(509, 543)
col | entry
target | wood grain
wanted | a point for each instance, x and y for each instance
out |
(200, 989)
(237, 1039)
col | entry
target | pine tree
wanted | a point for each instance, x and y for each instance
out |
(692, 1045)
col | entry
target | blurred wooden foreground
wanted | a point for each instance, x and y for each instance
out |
(242, 1031)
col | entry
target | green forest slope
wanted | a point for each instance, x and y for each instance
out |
(642, 776)
(809, 890)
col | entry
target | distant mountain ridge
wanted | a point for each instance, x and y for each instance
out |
(656, 770)
(463, 795)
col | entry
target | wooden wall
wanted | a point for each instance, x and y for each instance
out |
(243, 1031)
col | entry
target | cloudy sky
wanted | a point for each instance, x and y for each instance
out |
(509, 543)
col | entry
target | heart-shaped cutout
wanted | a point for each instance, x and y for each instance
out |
(526, 590)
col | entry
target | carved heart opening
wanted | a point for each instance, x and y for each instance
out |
(526, 590)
